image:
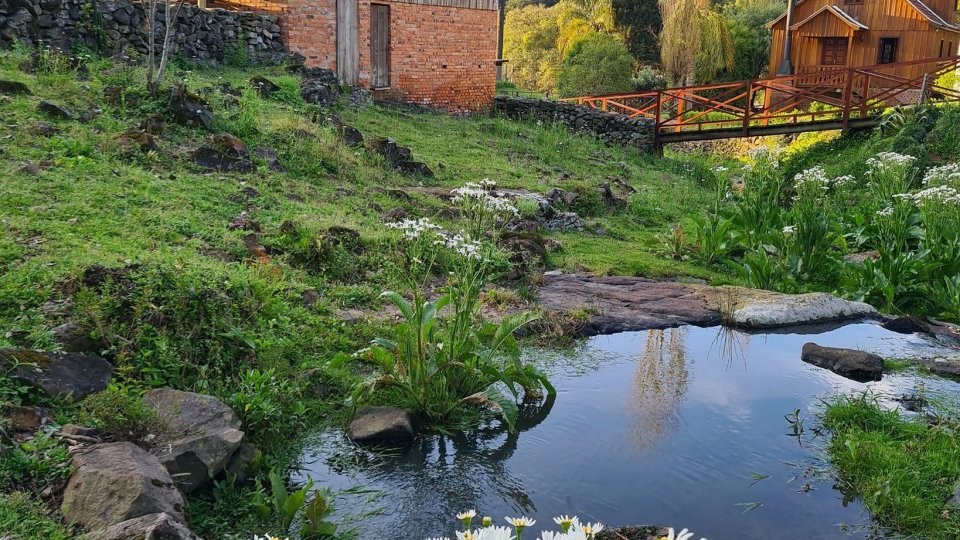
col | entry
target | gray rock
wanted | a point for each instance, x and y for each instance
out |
(243, 463)
(381, 425)
(55, 111)
(61, 375)
(74, 338)
(190, 109)
(263, 86)
(149, 527)
(78, 431)
(224, 153)
(203, 435)
(14, 88)
(112, 483)
(778, 310)
(849, 363)
(318, 92)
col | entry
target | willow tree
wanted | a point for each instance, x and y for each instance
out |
(695, 42)
(579, 18)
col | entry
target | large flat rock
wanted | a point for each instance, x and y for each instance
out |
(607, 305)
(60, 375)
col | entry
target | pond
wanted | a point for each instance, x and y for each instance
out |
(688, 427)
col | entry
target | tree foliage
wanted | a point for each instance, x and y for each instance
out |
(695, 43)
(640, 23)
(530, 44)
(751, 39)
(596, 64)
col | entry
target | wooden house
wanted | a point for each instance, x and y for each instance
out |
(830, 34)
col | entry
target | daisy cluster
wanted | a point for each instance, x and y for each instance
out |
(460, 244)
(570, 529)
(889, 160)
(480, 194)
(942, 175)
(414, 228)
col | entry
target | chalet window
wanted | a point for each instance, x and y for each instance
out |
(888, 50)
(380, 45)
(834, 52)
(941, 49)
(852, 1)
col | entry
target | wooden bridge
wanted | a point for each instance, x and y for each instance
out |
(829, 99)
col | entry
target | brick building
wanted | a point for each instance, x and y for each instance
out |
(439, 53)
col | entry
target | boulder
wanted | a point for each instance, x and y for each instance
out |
(152, 124)
(849, 363)
(381, 426)
(243, 463)
(269, 156)
(150, 527)
(136, 139)
(114, 482)
(263, 86)
(190, 109)
(224, 153)
(399, 157)
(350, 135)
(203, 435)
(26, 418)
(60, 375)
(14, 88)
(947, 367)
(557, 195)
(778, 310)
(318, 92)
(54, 111)
(75, 338)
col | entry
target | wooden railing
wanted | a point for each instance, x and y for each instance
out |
(835, 98)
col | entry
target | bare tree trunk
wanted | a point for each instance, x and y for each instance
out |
(170, 15)
(165, 54)
(152, 40)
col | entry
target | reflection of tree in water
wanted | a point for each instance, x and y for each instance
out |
(660, 383)
(441, 475)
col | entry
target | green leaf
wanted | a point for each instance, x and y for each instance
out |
(494, 399)
(401, 304)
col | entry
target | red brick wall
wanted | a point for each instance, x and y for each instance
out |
(442, 57)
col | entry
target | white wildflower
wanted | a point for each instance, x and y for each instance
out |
(886, 212)
(790, 229)
(413, 228)
(942, 175)
(888, 160)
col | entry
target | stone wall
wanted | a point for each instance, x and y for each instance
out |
(113, 26)
(613, 129)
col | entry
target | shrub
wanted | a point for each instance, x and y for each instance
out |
(596, 64)
(120, 411)
(34, 463)
(648, 79)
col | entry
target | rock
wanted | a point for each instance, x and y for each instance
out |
(114, 482)
(60, 375)
(269, 156)
(350, 135)
(45, 129)
(243, 222)
(225, 153)
(321, 75)
(947, 367)
(399, 157)
(611, 198)
(359, 97)
(914, 325)
(26, 418)
(137, 139)
(190, 109)
(862, 257)
(14, 88)
(527, 253)
(153, 124)
(309, 298)
(778, 310)
(244, 462)
(75, 338)
(255, 247)
(150, 527)
(118, 96)
(263, 86)
(54, 111)
(317, 92)
(203, 435)
(557, 195)
(381, 425)
(78, 431)
(394, 214)
(53, 309)
(651, 532)
(849, 363)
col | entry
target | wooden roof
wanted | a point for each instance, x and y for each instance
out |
(924, 10)
(840, 14)
(929, 14)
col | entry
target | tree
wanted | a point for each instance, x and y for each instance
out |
(530, 44)
(695, 42)
(579, 18)
(751, 39)
(171, 12)
(640, 22)
(596, 64)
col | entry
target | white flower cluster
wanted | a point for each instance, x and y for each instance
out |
(413, 228)
(813, 177)
(886, 212)
(267, 537)
(481, 194)
(942, 175)
(940, 194)
(888, 160)
(460, 244)
(790, 229)
(570, 529)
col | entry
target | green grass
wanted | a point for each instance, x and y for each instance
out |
(25, 519)
(904, 470)
(898, 365)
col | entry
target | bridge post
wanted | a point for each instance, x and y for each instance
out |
(848, 97)
(748, 109)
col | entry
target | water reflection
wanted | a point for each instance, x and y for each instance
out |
(659, 385)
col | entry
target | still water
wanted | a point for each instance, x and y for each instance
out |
(682, 427)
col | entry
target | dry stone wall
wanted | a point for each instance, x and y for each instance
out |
(112, 27)
(614, 129)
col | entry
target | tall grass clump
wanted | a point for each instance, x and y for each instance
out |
(446, 355)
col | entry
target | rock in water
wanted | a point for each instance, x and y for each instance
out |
(381, 425)
(224, 153)
(779, 310)
(204, 434)
(14, 88)
(852, 364)
(150, 527)
(112, 483)
(60, 375)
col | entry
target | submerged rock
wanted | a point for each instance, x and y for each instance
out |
(849, 363)
(112, 483)
(150, 527)
(60, 375)
(203, 435)
(381, 425)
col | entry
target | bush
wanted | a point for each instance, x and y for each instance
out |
(648, 79)
(596, 64)
(120, 411)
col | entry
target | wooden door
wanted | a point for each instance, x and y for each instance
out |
(379, 45)
(348, 42)
(834, 51)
